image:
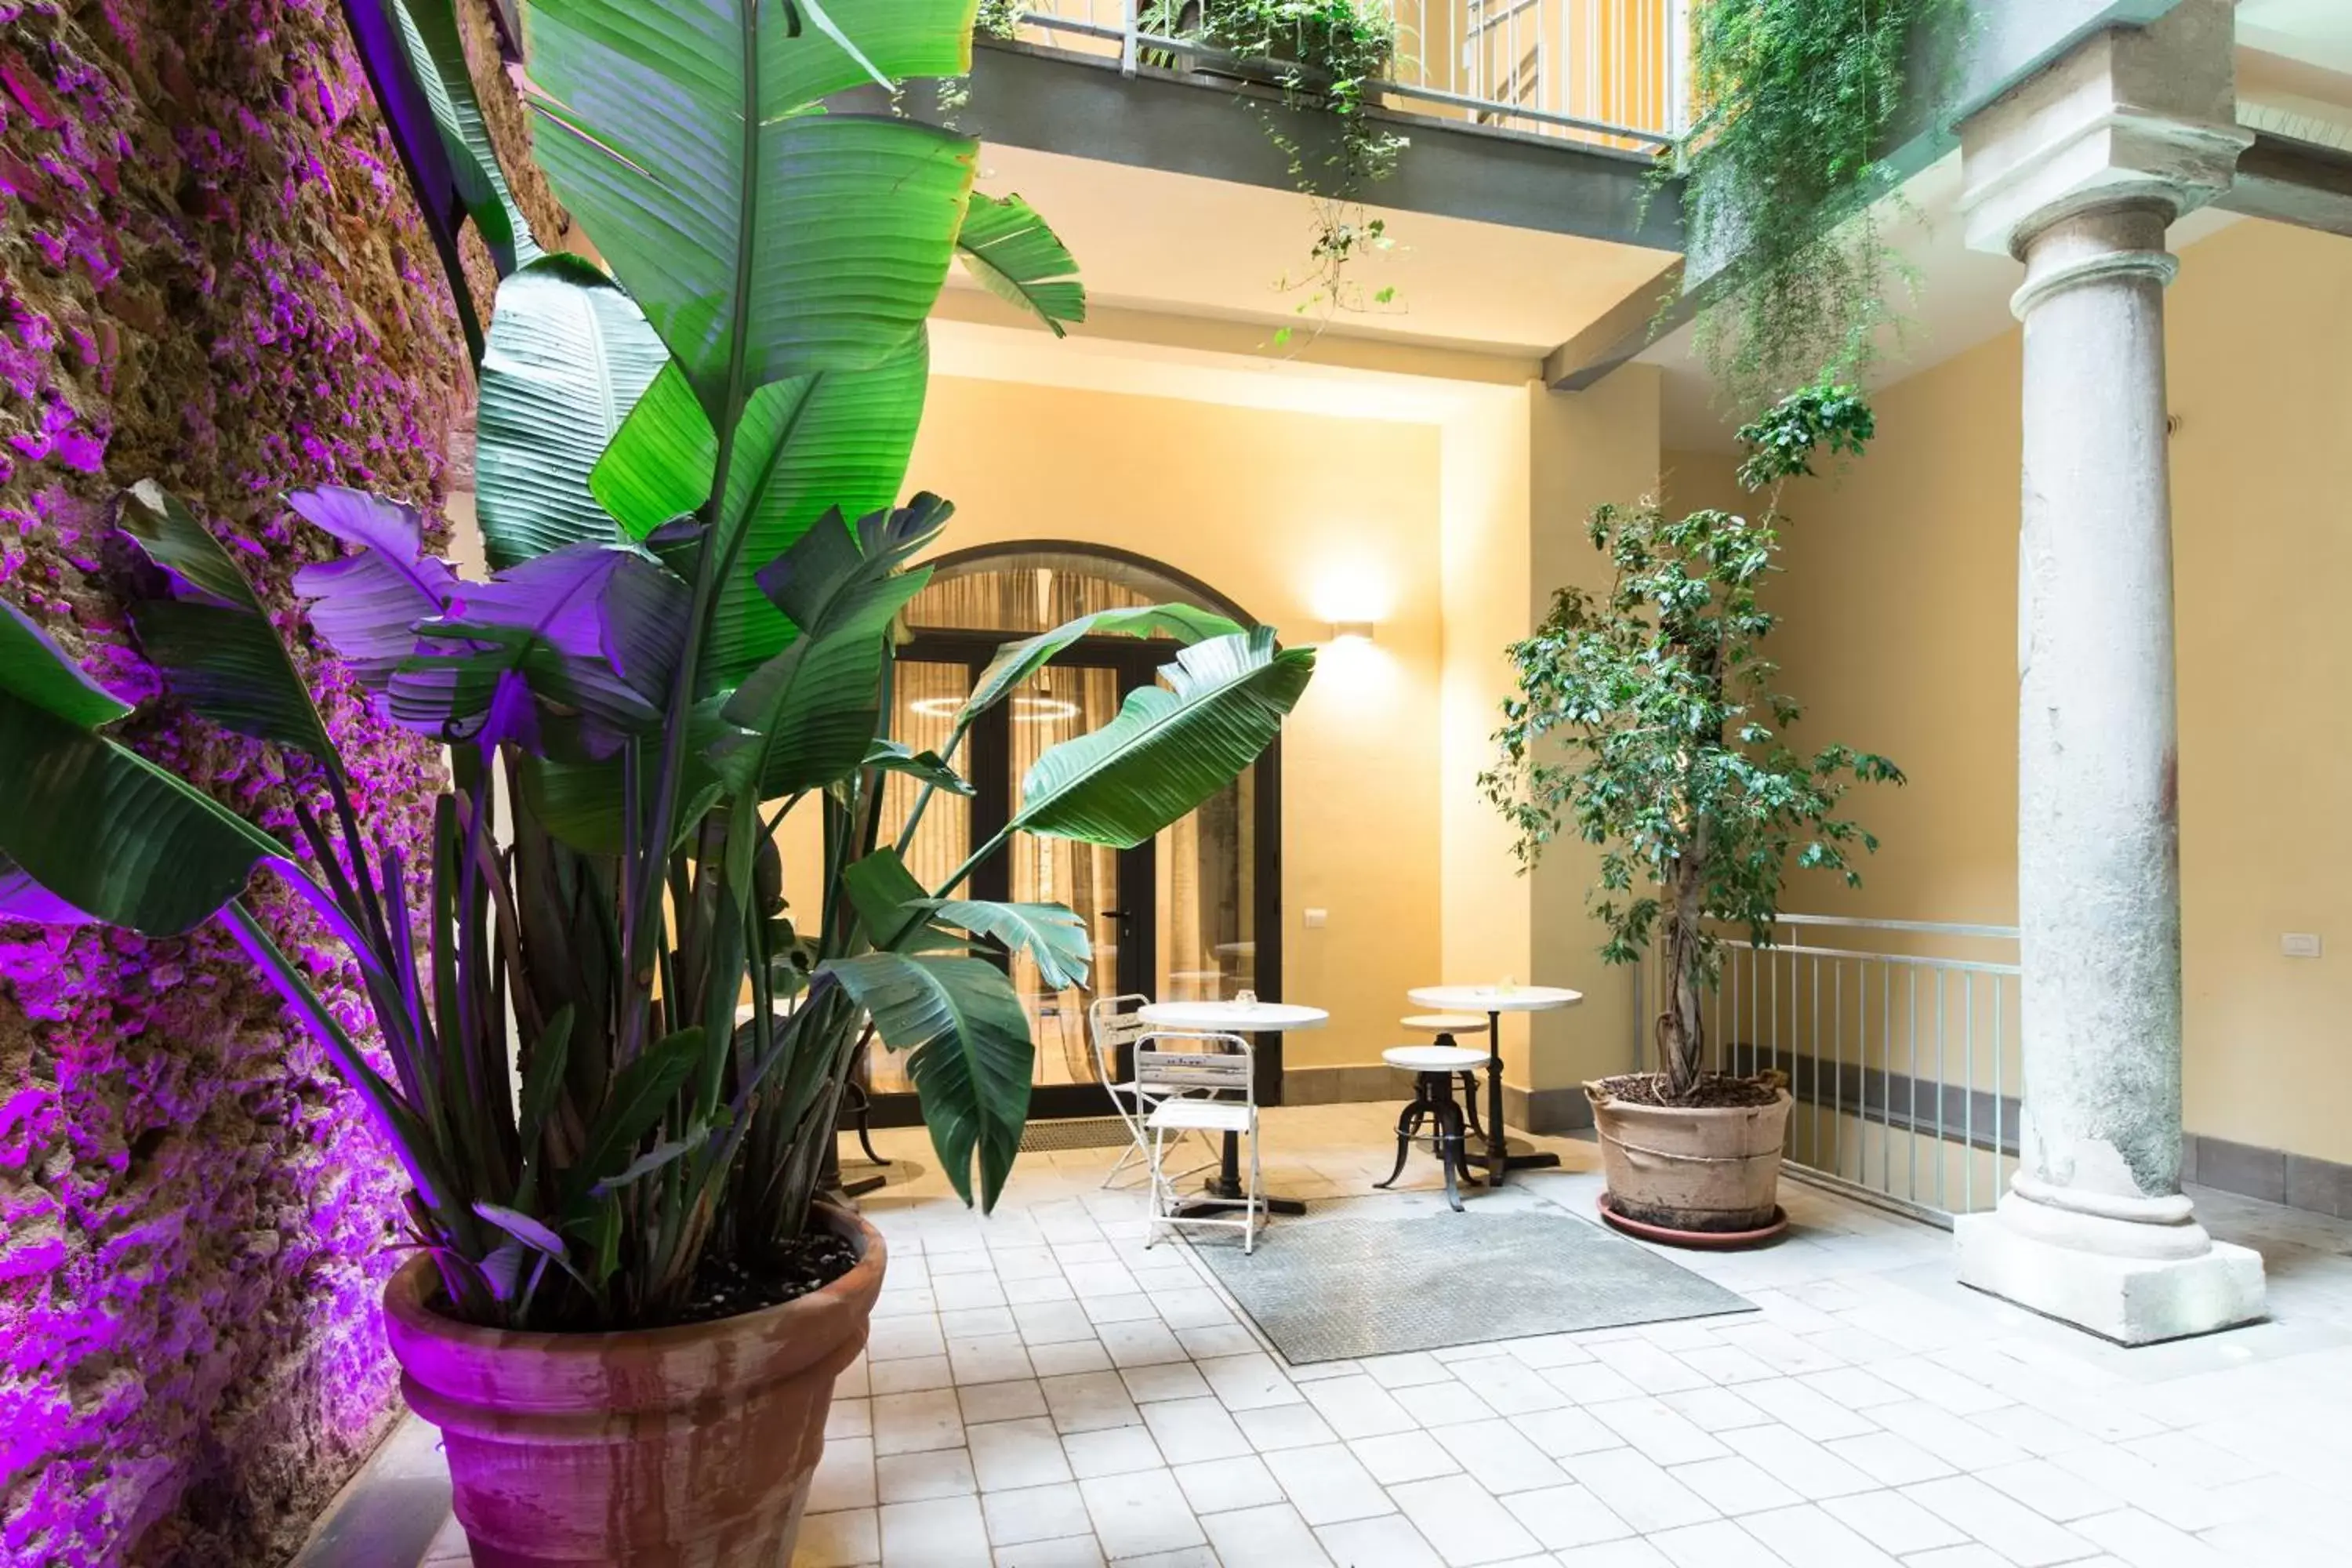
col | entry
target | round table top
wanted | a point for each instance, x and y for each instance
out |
(1433, 1059)
(1234, 1017)
(1494, 998)
(1443, 1023)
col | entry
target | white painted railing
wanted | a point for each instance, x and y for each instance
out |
(1612, 73)
(1899, 1039)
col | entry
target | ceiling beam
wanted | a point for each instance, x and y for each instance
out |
(1619, 332)
(2305, 184)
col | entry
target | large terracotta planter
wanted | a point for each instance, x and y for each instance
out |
(1703, 1171)
(684, 1448)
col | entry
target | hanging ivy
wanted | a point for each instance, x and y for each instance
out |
(1785, 182)
(1323, 56)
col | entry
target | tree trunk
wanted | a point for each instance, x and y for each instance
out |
(1681, 1034)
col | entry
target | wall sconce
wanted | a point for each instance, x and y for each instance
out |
(1347, 631)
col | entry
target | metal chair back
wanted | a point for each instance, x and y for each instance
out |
(1169, 1063)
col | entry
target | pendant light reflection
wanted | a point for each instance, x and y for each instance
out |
(1025, 709)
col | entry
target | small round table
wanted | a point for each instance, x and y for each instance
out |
(1494, 1001)
(1236, 1018)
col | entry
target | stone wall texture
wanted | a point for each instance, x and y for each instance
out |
(212, 272)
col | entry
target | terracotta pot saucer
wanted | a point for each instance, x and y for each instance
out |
(1703, 1240)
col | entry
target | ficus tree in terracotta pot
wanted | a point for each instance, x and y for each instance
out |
(606, 1055)
(1646, 723)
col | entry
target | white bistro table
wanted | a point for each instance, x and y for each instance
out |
(1236, 1018)
(1494, 1001)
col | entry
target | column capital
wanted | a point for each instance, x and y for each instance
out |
(2131, 116)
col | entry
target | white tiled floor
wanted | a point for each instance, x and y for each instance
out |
(1040, 1390)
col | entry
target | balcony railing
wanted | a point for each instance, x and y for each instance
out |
(1900, 1042)
(1608, 73)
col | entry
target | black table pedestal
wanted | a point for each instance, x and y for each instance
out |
(1498, 1160)
(1225, 1189)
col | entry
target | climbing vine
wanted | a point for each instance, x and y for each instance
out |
(1784, 181)
(1323, 56)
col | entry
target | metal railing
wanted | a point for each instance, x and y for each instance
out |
(1610, 73)
(1900, 1043)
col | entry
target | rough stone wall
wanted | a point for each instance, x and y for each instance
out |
(210, 272)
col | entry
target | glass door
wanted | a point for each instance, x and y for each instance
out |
(1175, 918)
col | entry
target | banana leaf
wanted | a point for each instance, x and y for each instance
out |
(1012, 253)
(970, 1055)
(591, 630)
(201, 626)
(816, 706)
(579, 799)
(803, 447)
(98, 827)
(427, 30)
(23, 899)
(1172, 746)
(367, 604)
(1169, 748)
(1051, 934)
(570, 354)
(36, 671)
(761, 242)
(1017, 661)
(923, 767)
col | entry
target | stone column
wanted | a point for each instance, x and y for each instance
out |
(2078, 172)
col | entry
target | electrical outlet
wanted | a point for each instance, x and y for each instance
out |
(1315, 919)
(2299, 943)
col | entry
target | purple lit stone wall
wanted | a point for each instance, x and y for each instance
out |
(211, 273)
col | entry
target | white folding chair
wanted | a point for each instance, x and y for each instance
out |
(1198, 1083)
(1115, 1022)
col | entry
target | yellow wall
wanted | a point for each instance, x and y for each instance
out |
(1303, 520)
(1486, 908)
(1520, 473)
(1900, 635)
(1593, 447)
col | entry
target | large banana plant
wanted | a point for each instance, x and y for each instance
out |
(689, 481)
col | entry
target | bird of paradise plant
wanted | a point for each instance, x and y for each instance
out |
(689, 472)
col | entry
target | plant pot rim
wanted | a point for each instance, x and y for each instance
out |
(409, 1295)
(1598, 1094)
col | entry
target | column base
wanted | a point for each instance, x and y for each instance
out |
(2131, 1300)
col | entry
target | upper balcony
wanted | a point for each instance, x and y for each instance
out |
(1600, 73)
(1523, 210)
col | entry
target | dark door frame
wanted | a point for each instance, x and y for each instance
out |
(1137, 661)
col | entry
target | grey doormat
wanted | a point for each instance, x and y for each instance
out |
(1365, 1286)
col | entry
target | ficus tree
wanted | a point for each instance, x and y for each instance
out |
(1647, 721)
(608, 1057)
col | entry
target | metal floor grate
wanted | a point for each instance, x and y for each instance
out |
(1074, 1132)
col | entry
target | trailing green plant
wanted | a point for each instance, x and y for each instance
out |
(1646, 722)
(1324, 57)
(609, 1057)
(1784, 176)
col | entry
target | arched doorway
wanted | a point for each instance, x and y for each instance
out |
(1197, 913)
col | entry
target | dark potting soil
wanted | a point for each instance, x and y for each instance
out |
(724, 1288)
(1713, 1091)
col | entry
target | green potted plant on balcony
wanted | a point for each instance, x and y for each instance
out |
(1646, 723)
(1323, 57)
(608, 1058)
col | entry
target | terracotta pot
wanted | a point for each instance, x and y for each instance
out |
(684, 1448)
(1715, 1170)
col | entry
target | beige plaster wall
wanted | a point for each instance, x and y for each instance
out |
(1303, 520)
(1600, 445)
(1900, 599)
